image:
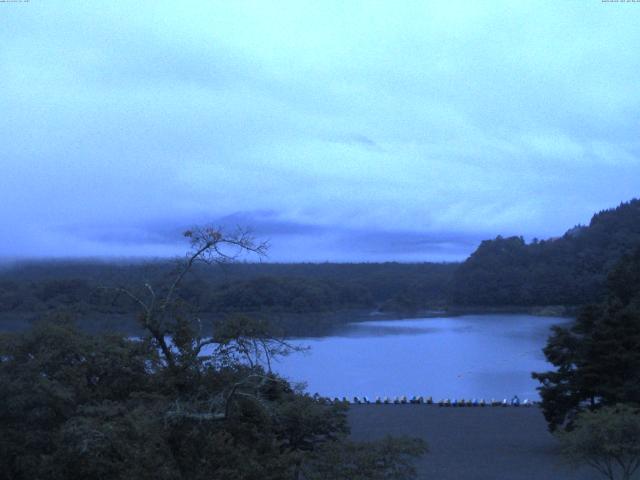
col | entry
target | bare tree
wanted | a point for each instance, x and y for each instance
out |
(158, 305)
(237, 341)
(242, 339)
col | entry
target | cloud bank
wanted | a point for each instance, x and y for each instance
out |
(341, 131)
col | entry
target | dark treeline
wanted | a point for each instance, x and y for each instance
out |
(506, 272)
(279, 291)
(570, 270)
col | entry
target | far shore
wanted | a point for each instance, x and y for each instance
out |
(308, 324)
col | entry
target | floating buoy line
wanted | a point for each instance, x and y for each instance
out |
(446, 402)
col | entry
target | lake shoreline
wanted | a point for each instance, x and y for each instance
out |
(568, 311)
(291, 325)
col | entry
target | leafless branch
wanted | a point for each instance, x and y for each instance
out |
(208, 245)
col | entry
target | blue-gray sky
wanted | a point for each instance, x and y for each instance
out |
(339, 130)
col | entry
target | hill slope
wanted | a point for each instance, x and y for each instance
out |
(569, 270)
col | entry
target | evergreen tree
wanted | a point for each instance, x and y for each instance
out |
(597, 359)
(568, 270)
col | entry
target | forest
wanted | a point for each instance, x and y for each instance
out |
(301, 298)
(569, 270)
(75, 405)
(308, 298)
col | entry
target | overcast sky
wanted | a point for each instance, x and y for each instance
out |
(338, 130)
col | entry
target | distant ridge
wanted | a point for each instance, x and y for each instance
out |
(569, 270)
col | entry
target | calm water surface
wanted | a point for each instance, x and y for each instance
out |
(480, 356)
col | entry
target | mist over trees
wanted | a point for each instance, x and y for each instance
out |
(307, 299)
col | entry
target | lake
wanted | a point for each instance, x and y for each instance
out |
(471, 356)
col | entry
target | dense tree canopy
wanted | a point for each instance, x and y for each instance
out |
(301, 298)
(506, 272)
(607, 439)
(570, 270)
(77, 406)
(182, 402)
(597, 359)
(74, 405)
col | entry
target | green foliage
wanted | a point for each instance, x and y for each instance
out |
(607, 439)
(570, 270)
(77, 406)
(597, 359)
(388, 459)
(51, 373)
(285, 293)
(240, 338)
(297, 295)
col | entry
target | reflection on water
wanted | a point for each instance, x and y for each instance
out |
(471, 356)
(381, 328)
